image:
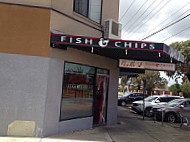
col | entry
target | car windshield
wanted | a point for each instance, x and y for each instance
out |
(174, 103)
(127, 94)
(151, 98)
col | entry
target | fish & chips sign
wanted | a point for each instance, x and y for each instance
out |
(104, 43)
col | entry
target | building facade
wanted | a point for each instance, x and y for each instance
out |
(45, 90)
(60, 63)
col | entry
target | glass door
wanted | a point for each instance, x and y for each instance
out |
(100, 97)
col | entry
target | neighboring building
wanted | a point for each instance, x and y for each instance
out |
(56, 74)
(160, 91)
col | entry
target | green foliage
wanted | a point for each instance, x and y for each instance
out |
(120, 89)
(175, 88)
(124, 80)
(152, 79)
(182, 68)
(185, 87)
(136, 87)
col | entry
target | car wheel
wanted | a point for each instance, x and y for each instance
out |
(123, 103)
(171, 118)
(148, 112)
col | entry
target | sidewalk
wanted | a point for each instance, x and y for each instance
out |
(131, 128)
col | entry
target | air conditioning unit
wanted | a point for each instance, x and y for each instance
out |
(112, 29)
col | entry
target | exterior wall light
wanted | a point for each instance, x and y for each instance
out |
(159, 54)
(92, 49)
(126, 52)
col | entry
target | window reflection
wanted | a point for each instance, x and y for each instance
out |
(77, 97)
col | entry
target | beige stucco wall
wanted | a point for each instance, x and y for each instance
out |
(107, 13)
(110, 10)
(46, 3)
(70, 26)
(67, 25)
(78, 56)
(24, 30)
(66, 6)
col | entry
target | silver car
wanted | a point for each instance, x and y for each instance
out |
(170, 111)
(151, 101)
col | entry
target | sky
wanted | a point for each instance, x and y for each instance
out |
(141, 18)
(145, 17)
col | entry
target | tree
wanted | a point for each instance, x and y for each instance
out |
(136, 87)
(175, 88)
(153, 79)
(182, 68)
(185, 87)
(124, 80)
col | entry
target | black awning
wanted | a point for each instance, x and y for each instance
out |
(119, 49)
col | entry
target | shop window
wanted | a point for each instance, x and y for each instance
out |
(89, 8)
(77, 97)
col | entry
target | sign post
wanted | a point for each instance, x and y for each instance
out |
(144, 85)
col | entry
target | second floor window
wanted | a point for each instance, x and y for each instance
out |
(89, 8)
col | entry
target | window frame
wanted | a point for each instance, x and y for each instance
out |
(94, 86)
(88, 12)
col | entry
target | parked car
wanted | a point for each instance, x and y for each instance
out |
(151, 101)
(171, 110)
(130, 97)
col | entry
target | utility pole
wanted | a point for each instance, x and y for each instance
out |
(144, 85)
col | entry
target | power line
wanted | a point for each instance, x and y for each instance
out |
(165, 4)
(141, 14)
(132, 25)
(135, 14)
(174, 19)
(166, 20)
(176, 34)
(167, 26)
(145, 17)
(127, 10)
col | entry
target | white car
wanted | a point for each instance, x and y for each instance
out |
(151, 101)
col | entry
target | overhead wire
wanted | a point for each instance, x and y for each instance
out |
(141, 15)
(172, 21)
(137, 24)
(127, 9)
(143, 23)
(166, 19)
(165, 34)
(167, 26)
(133, 16)
(176, 34)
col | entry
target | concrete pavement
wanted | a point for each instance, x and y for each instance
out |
(130, 128)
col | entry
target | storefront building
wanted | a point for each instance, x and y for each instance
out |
(56, 72)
